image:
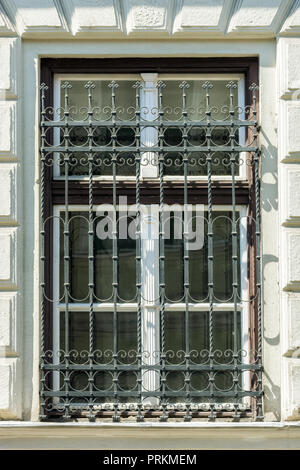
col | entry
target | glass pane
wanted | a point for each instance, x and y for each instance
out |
(127, 263)
(223, 341)
(102, 135)
(103, 334)
(79, 256)
(196, 100)
(222, 251)
(103, 264)
(173, 257)
(196, 103)
(198, 258)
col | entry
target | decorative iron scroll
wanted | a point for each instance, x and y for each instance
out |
(190, 140)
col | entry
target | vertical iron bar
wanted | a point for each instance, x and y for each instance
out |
(113, 85)
(231, 86)
(164, 417)
(259, 410)
(89, 86)
(186, 261)
(137, 87)
(207, 86)
(66, 86)
(43, 88)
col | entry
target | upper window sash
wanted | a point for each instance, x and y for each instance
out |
(149, 110)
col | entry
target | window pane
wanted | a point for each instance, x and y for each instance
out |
(222, 251)
(174, 258)
(79, 255)
(198, 259)
(196, 103)
(126, 264)
(102, 136)
(223, 344)
(103, 264)
(103, 336)
(103, 332)
(198, 256)
(223, 331)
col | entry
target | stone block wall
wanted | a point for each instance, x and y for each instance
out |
(10, 230)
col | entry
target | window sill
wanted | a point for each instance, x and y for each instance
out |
(109, 436)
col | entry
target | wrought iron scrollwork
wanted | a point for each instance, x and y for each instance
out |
(190, 140)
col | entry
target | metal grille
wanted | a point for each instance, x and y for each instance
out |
(103, 391)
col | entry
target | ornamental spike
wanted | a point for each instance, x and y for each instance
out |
(253, 86)
(160, 84)
(137, 84)
(66, 85)
(184, 85)
(89, 85)
(231, 84)
(113, 84)
(207, 85)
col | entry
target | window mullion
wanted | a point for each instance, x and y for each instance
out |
(150, 295)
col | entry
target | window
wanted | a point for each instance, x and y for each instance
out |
(150, 242)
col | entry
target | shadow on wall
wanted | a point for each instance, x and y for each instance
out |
(269, 204)
(272, 397)
(269, 177)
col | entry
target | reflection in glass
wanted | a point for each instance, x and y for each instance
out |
(173, 258)
(103, 341)
(102, 136)
(103, 263)
(127, 263)
(223, 340)
(196, 106)
(198, 259)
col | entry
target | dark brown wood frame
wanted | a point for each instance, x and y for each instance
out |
(78, 191)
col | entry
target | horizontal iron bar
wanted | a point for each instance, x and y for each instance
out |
(144, 123)
(132, 368)
(119, 394)
(141, 149)
(221, 410)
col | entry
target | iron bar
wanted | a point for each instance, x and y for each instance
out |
(66, 86)
(116, 418)
(43, 89)
(164, 417)
(207, 86)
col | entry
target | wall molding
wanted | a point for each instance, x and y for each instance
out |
(84, 19)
